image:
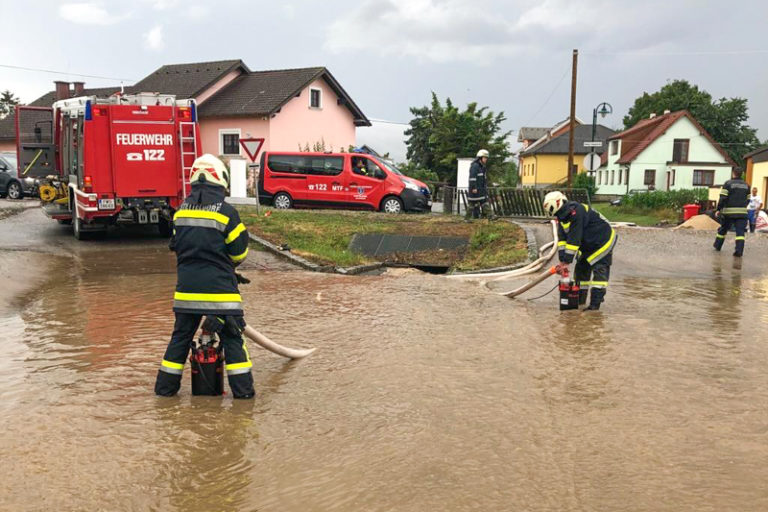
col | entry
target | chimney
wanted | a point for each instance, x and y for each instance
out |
(653, 114)
(79, 88)
(667, 112)
(62, 90)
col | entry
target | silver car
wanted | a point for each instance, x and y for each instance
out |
(11, 185)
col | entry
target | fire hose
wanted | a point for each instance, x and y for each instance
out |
(275, 348)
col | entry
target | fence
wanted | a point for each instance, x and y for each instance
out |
(509, 202)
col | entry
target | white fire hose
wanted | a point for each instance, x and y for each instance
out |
(275, 348)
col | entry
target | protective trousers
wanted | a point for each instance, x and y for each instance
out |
(237, 362)
(594, 277)
(478, 209)
(741, 228)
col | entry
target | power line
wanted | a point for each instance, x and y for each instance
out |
(385, 121)
(681, 53)
(548, 97)
(64, 73)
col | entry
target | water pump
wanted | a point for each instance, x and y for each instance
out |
(207, 364)
(569, 290)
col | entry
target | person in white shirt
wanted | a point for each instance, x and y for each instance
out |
(754, 206)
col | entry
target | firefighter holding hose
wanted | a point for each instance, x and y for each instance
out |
(209, 241)
(585, 235)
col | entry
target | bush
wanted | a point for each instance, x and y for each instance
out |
(582, 180)
(416, 173)
(672, 199)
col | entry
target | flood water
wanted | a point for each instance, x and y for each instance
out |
(424, 393)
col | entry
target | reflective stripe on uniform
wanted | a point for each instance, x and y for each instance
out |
(171, 367)
(604, 250)
(201, 214)
(735, 210)
(594, 284)
(235, 233)
(566, 226)
(561, 243)
(740, 238)
(207, 301)
(719, 236)
(239, 257)
(237, 368)
(569, 247)
(723, 192)
(200, 223)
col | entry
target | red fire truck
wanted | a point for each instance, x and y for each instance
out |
(125, 159)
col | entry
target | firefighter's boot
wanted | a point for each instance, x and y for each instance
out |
(596, 298)
(583, 294)
(167, 384)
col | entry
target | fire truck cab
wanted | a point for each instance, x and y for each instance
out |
(119, 160)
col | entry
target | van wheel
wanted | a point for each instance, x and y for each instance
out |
(392, 204)
(282, 201)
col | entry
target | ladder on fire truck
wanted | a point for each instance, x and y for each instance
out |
(187, 152)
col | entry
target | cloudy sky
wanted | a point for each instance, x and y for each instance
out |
(510, 55)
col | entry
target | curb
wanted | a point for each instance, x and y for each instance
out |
(533, 254)
(292, 258)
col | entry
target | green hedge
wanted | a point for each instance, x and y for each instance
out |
(674, 199)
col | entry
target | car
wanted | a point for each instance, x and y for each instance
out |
(11, 185)
(339, 180)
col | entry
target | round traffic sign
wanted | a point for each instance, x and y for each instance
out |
(592, 161)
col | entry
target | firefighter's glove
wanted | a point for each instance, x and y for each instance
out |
(241, 279)
(563, 269)
(214, 324)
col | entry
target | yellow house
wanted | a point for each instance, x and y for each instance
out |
(545, 162)
(757, 171)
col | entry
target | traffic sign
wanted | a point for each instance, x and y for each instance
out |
(252, 147)
(594, 144)
(592, 161)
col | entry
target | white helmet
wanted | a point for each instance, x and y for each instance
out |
(209, 169)
(553, 202)
(483, 153)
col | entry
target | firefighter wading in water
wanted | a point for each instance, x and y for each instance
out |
(584, 234)
(732, 211)
(209, 241)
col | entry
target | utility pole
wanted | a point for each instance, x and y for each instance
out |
(573, 117)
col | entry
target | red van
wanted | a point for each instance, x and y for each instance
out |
(338, 180)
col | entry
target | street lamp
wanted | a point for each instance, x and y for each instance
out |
(603, 109)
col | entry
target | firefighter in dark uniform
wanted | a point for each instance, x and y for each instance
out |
(583, 234)
(732, 211)
(478, 189)
(209, 241)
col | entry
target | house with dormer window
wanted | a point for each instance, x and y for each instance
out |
(671, 151)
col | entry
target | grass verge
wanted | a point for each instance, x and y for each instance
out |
(323, 236)
(640, 216)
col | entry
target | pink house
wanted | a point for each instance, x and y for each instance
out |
(289, 108)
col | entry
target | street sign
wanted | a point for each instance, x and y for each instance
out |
(595, 144)
(252, 147)
(592, 161)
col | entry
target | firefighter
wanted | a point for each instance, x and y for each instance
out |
(478, 190)
(209, 241)
(732, 211)
(583, 234)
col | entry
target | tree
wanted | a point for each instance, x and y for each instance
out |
(7, 102)
(724, 119)
(438, 135)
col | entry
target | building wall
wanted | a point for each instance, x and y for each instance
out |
(297, 124)
(658, 155)
(7, 145)
(760, 180)
(547, 169)
(247, 127)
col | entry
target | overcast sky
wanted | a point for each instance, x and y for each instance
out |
(510, 55)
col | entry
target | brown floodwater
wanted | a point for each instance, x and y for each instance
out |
(424, 393)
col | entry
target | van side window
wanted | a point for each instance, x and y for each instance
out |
(313, 165)
(374, 170)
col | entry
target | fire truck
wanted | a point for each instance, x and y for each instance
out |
(99, 162)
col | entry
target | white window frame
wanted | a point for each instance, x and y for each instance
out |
(230, 131)
(320, 94)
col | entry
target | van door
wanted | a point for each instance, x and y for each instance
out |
(367, 182)
(326, 181)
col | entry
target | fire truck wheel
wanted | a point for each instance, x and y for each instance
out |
(77, 229)
(165, 227)
(64, 222)
(282, 201)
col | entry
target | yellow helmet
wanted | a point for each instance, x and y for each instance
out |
(209, 169)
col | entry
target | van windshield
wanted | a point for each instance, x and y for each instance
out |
(390, 167)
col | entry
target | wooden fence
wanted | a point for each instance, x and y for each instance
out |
(509, 202)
